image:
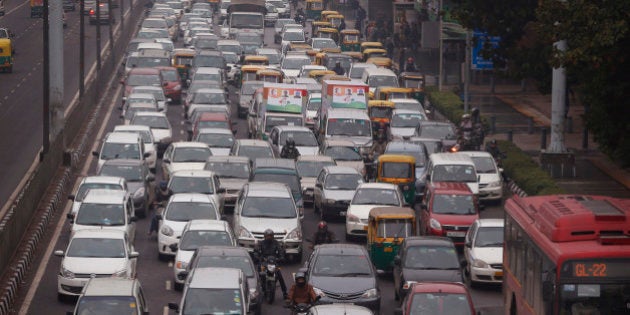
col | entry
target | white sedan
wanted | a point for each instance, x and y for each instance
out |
(367, 197)
(184, 156)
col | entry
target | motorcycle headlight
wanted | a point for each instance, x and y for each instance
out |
(181, 264)
(352, 218)
(120, 273)
(66, 273)
(435, 224)
(244, 233)
(371, 293)
(296, 234)
(494, 184)
(167, 230)
(478, 263)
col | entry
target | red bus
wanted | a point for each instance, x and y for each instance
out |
(567, 255)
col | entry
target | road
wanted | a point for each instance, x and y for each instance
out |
(21, 92)
(156, 276)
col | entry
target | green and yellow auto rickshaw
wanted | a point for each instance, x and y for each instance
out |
(350, 40)
(387, 229)
(400, 170)
(387, 93)
(314, 9)
(316, 25)
(415, 81)
(6, 55)
(182, 60)
(371, 45)
(380, 113)
(335, 19)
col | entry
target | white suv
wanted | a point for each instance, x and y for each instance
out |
(121, 145)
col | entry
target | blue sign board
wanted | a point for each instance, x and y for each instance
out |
(480, 38)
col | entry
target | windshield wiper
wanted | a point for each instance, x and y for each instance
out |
(352, 274)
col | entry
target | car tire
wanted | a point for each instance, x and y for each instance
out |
(178, 286)
(162, 257)
(350, 238)
(62, 297)
(468, 278)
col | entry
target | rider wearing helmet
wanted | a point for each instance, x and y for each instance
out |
(289, 151)
(301, 292)
(410, 66)
(322, 235)
(271, 247)
(493, 149)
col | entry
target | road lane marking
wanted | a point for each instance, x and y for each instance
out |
(14, 9)
(165, 310)
(168, 285)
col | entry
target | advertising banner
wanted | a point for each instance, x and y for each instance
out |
(348, 96)
(284, 99)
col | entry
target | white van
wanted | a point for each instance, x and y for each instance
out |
(375, 77)
(350, 124)
(451, 167)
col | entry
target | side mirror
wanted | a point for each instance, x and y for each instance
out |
(182, 275)
(173, 306)
(134, 255)
(59, 253)
(146, 154)
(70, 216)
(158, 216)
(173, 247)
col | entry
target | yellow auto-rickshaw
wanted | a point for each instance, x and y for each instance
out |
(335, 77)
(387, 93)
(356, 55)
(318, 74)
(350, 40)
(249, 72)
(335, 19)
(269, 75)
(374, 52)
(182, 60)
(299, 47)
(415, 81)
(312, 54)
(6, 55)
(400, 170)
(319, 59)
(371, 45)
(381, 62)
(387, 228)
(316, 25)
(329, 33)
(331, 50)
(256, 60)
(326, 13)
(314, 9)
(380, 113)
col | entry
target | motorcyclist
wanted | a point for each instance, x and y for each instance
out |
(478, 133)
(465, 132)
(378, 146)
(301, 292)
(410, 66)
(271, 247)
(289, 151)
(322, 235)
(162, 194)
(339, 70)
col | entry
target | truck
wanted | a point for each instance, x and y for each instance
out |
(351, 94)
(282, 105)
(37, 8)
(246, 16)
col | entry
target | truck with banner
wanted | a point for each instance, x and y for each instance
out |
(342, 94)
(282, 105)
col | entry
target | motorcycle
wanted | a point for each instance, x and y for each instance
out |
(301, 308)
(268, 269)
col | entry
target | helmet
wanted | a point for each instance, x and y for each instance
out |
(493, 142)
(475, 111)
(410, 59)
(465, 116)
(268, 232)
(322, 225)
(163, 184)
(300, 275)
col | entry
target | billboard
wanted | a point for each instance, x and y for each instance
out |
(480, 38)
(284, 99)
(348, 96)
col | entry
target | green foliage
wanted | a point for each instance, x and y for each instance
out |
(451, 106)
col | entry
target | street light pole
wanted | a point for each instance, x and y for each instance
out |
(98, 34)
(46, 96)
(467, 72)
(441, 44)
(558, 103)
(81, 48)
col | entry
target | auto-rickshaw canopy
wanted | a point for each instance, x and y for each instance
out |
(318, 74)
(335, 19)
(369, 45)
(382, 62)
(402, 173)
(374, 52)
(269, 75)
(387, 93)
(328, 32)
(256, 60)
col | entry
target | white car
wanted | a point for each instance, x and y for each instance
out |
(160, 127)
(291, 36)
(220, 140)
(367, 197)
(404, 123)
(304, 139)
(184, 156)
(313, 104)
(292, 64)
(150, 146)
(199, 233)
(408, 104)
(95, 182)
(180, 209)
(198, 181)
(158, 93)
(345, 153)
(323, 43)
(120, 145)
(306, 70)
(483, 251)
(94, 252)
(490, 179)
(309, 167)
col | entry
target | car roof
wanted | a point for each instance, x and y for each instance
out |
(131, 128)
(216, 250)
(122, 137)
(98, 233)
(379, 71)
(293, 128)
(490, 222)
(252, 142)
(193, 173)
(191, 197)
(189, 144)
(340, 309)
(377, 186)
(334, 169)
(315, 158)
(449, 158)
(215, 131)
(217, 278)
(428, 240)
(404, 146)
(274, 163)
(339, 143)
(438, 287)
(341, 249)
(105, 196)
(140, 95)
(102, 179)
(268, 189)
(124, 162)
(207, 225)
(211, 70)
(347, 113)
(229, 159)
(477, 154)
(110, 287)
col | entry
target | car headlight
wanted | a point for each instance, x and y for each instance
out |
(371, 293)
(181, 264)
(352, 218)
(167, 230)
(253, 294)
(478, 263)
(435, 224)
(120, 273)
(244, 233)
(330, 201)
(296, 234)
(408, 285)
(66, 273)
(494, 184)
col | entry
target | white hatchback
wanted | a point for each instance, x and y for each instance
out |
(367, 197)
(483, 251)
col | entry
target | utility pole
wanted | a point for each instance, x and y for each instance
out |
(46, 94)
(98, 34)
(441, 56)
(110, 24)
(467, 72)
(558, 103)
(81, 48)
(55, 58)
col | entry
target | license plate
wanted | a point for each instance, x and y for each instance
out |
(342, 213)
(456, 234)
(498, 274)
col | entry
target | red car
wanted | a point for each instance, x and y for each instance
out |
(437, 298)
(211, 120)
(141, 77)
(448, 209)
(171, 83)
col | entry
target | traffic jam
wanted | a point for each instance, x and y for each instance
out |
(293, 173)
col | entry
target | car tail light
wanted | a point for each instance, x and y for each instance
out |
(92, 12)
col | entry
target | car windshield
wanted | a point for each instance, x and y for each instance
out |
(375, 196)
(293, 36)
(206, 43)
(132, 173)
(182, 155)
(213, 124)
(154, 122)
(345, 63)
(231, 57)
(274, 58)
(250, 87)
(273, 121)
(407, 105)
(140, 100)
(349, 127)
(343, 153)
(185, 184)
(131, 111)
(192, 240)
(357, 72)
(254, 152)
(153, 23)
(143, 79)
(417, 154)
(311, 168)
(396, 170)
(489, 237)
(382, 80)
(439, 304)
(249, 38)
(319, 43)
(212, 301)
(100, 214)
(229, 170)
(207, 76)
(431, 257)
(395, 228)
(209, 61)
(237, 49)
(189, 210)
(120, 151)
(343, 181)
(241, 262)
(453, 204)
(208, 98)
(406, 120)
(158, 94)
(454, 173)
(295, 63)
(84, 188)
(342, 266)
(216, 140)
(246, 21)
(150, 62)
(268, 207)
(291, 180)
(314, 104)
(484, 165)
(119, 305)
(301, 138)
(444, 132)
(96, 248)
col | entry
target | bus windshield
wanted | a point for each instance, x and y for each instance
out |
(582, 298)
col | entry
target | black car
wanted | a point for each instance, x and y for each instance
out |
(139, 181)
(229, 257)
(343, 273)
(423, 259)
